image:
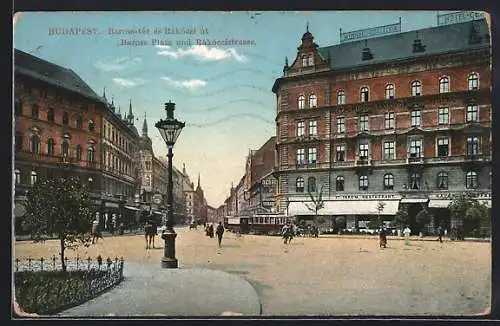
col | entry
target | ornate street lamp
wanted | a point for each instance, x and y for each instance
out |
(169, 129)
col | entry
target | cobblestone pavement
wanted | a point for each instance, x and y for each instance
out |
(327, 275)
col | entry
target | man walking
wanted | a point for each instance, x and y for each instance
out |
(219, 231)
(440, 232)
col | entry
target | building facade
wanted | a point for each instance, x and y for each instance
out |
(259, 180)
(57, 127)
(119, 146)
(403, 119)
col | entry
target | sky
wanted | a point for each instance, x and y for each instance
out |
(222, 92)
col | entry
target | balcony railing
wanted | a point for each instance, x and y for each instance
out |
(42, 157)
(312, 165)
(363, 160)
(415, 159)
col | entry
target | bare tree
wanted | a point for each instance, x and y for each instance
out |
(316, 204)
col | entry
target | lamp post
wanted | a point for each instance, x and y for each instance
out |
(169, 129)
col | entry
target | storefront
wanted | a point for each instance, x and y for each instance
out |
(354, 207)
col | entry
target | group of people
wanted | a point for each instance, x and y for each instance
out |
(219, 231)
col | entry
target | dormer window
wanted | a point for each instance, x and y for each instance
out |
(310, 60)
(304, 61)
(312, 101)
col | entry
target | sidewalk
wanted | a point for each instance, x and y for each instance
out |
(393, 237)
(105, 234)
(149, 290)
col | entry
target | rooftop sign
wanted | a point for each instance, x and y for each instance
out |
(370, 32)
(458, 17)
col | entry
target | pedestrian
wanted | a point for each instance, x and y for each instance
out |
(406, 233)
(211, 231)
(285, 233)
(219, 231)
(382, 238)
(441, 233)
(96, 233)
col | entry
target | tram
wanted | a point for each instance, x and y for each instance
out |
(267, 224)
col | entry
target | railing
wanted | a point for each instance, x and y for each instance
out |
(42, 157)
(111, 274)
(363, 160)
(415, 160)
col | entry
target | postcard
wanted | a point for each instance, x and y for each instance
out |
(177, 164)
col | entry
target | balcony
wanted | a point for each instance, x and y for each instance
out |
(363, 160)
(44, 158)
(312, 165)
(415, 158)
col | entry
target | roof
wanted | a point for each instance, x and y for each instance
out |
(34, 67)
(263, 160)
(440, 39)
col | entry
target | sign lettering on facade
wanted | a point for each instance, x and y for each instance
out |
(458, 17)
(366, 197)
(370, 32)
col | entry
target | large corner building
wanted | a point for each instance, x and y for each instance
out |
(402, 118)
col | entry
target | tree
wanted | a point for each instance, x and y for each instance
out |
(469, 211)
(60, 207)
(317, 203)
(380, 208)
(402, 218)
(422, 218)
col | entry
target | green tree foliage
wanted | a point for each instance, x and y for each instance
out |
(471, 212)
(402, 218)
(59, 207)
(316, 204)
(422, 218)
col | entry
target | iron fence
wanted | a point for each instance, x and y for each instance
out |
(112, 274)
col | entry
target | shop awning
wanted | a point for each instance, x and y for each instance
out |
(19, 210)
(487, 202)
(346, 207)
(132, 208)
(413, 200)
(439, 203)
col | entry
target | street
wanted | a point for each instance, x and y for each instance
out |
(324, 276)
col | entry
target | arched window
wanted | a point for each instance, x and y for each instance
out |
(339, 183)
(78, 152)
(312, 101)
(388, 181)
(17, 176)
(35, 143)
(416, 88)
(340, 97)
(33, 178)
(311, 184)
(364, 94)
(299, 184)
(471, 180)
(444, 85)
(415, 180)
(91, 125)
(302, 101)
(363, 182)
(90, 153)
(389, 92)
(473, 81)
(51, 146)
(304, 61)
(442, 180)
(65, 147)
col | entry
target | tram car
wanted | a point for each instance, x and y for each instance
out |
(266, 224)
